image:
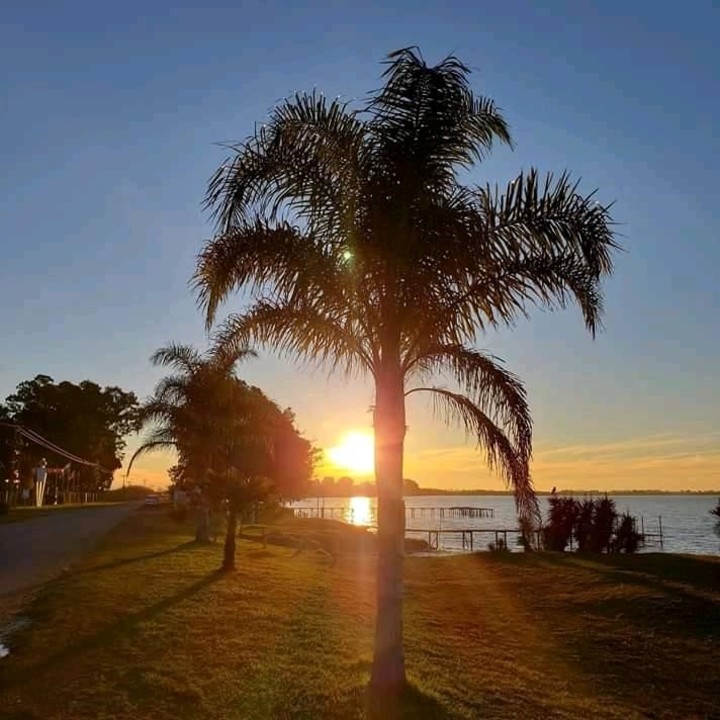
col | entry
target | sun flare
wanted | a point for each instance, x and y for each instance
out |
(355, 453)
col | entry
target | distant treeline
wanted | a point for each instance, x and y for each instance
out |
(345, 486)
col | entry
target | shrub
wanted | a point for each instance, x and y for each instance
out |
(584, 525)
(528, 539)
(559, 530)
(627, 539)
(603, 523)
(4, 508)
(716, 512)
(594, 524)
(499, 546)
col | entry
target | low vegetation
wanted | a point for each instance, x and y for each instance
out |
(593, 525)
(146, 628)
(716, 512)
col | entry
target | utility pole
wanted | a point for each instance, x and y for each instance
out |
(14, 478)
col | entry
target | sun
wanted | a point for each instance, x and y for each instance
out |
(356, 453)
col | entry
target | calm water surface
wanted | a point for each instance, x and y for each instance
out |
(686, 521)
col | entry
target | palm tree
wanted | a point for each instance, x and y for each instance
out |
(235, 445)
(358, 247)
(188, 413)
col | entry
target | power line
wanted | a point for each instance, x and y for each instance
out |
(48, 445)
(38, 439)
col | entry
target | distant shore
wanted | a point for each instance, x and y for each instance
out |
(432, 492)
(563, 491)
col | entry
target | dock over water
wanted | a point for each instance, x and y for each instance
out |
(346, 514)
(458, 536)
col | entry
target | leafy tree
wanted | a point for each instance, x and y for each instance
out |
(357, 245)
(234, 445)
(410, 487)
(84, 419)
(345, 486)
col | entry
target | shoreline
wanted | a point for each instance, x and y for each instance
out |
(430, 492)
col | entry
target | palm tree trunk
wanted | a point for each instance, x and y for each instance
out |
(229, 550)
(388, 670)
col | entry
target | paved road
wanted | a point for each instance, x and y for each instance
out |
(35, 551)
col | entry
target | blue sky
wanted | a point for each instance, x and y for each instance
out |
(110, 115)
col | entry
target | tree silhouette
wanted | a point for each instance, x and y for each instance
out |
(234, 444)
(358, 247)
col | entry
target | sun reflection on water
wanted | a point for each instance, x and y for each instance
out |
(360, 511)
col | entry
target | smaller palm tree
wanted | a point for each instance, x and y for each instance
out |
(185, 414)
(236, 447)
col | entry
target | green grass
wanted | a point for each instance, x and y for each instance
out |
(146, 628)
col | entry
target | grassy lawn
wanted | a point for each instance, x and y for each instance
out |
(146, 628)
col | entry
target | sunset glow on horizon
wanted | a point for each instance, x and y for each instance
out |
(669, 462)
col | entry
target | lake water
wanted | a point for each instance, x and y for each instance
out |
(687, 525)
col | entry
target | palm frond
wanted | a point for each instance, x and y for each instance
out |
(307, 157)
(428, 121)
(547, 241)
(148, 447)
(498, 393)
(170, 390)
(502, 454)
(299, 330)
(549, 281)
(181, 357)
(260, 254)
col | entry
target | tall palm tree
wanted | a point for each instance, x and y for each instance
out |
(357, 246)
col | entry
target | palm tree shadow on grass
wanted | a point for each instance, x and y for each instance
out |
(110, 633)
(120, 562)
(411, 704)
(682, 577)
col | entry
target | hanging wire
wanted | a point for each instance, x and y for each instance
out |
(38, 439)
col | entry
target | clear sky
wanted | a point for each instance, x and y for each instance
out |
(110, 112)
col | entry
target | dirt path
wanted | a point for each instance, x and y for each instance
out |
(35, 551)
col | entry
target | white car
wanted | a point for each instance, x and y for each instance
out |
(151, 501)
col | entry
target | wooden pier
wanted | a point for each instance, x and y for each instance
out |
(467, 536)
(652, 537)
(346, 513)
